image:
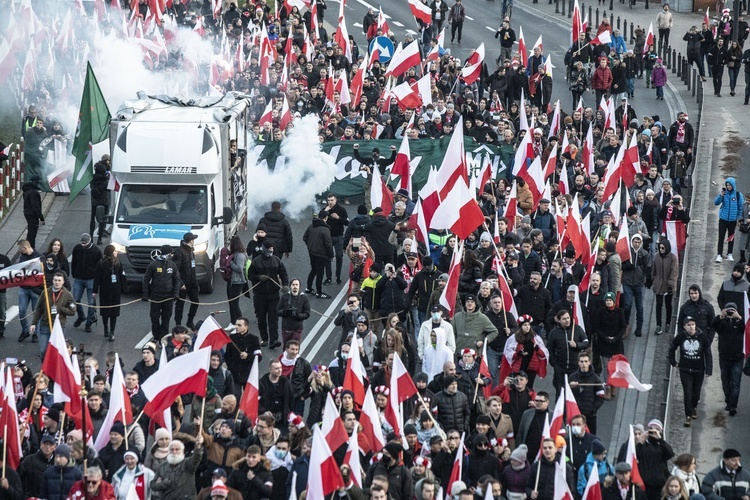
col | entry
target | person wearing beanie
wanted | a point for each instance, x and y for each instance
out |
(473, 326)
(653, 457)
(608, 328)
(112, 455)
(733, 289)
(453, 405)
(730, 328)
(278, 230)
(269, 276)
(698, 308)
(157, 455)
(481, 461)
(728, 480)
(59, 479)
(85, 258)
(421, 287)
(132, 473)
(149, 364)
(161, 282)
(354, 229)
(597, 457)
(371, 295)
(400, 484)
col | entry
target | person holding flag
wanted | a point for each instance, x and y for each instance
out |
(564, 342)
(541, 482)
(587, 389)
(56, 302)
(623, 485)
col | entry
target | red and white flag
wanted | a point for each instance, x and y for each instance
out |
(430, 196)
(267, 115)
(621, 375)
(352, 458)
(183, 375)
(459, 212)
(165, 418)
(613, 175)
(325, 476)
(632, 460)
(511, 207)
(28, 273)
(402, 388)
(472, 70)
(417, 220)
(9, 421)
(577, 26)
(578, 313)
(369, 419)
(448, 297)
(593, 489)
(602, 38)
(382, 24)
(534, 177)
(650, 37)
(565, 409)
(746, 319)
(562, 491)
(286, 115)
(380, 195)
(421, 11)
(354, 379)
(332, 426)
(588, 152)
(622, 246)
(119, 406)
(249, 401)
(521, 49)
(59, 368)
(554, 127)
(453, 167)
(484, 371)
(212, 335)
(458, 467)
(404, 58)
(676, 235)
(546, 434)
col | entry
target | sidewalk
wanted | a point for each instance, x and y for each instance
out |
(13, 225)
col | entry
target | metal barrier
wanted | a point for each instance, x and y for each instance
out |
(10, 180)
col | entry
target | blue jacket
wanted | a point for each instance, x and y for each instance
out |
(731, 202)
(58, 481)
(585, 471)
(618, 43)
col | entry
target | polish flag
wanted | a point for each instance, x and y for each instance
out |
(374, 55)
(565, 409)
(402, 388)
(511, 207)
(325, 477)
(458, 212)
(631, 162)
(632, 459)
(369, 419)
(614, 173)
(588, 152)
(675, 230)
(621, 375)
(286, 117)
(382, 24)
(59, 368)
(119, 406)
(341, 37)
(417, 221)
(380, 195)
(509, 303)
(314, 20)
(484, 371)
(407, 96)
(342, 87)
(622, 246)
(746, 316)
(357, 86)
(523, 121)
(332, 426)
(472, 70)
(650, 37)
(554, 127)
(354, 379)
(458, 466)
(352, 458)
(212, 335)
(430, 196)
(249, 401)
(453, 166)
(576, 232)
(584, 285)
(448, 297)
(593, 489)
(421, 11)
(602, 38)
(183, 375)
(537, 44)
(562, 491)
(267, 114)
(534, 177)
(9, 422)
(564, 184)
(578, 313)
(524, 154)
(521, 50)
(577, 27)
(165, 419)
(403, 59)
(546, 434)
(401, 165)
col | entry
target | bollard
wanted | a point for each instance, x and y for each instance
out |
(570, 9)
(674, 60)
(597, 18)
(646, 4)
(679, 65)
(611, 5)
(618, 22)
(563, 7)
(590, 12)
(631, 33)
(611, 19)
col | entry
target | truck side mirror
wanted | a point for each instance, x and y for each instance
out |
(101, 215)
(226, 217)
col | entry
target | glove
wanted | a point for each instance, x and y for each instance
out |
(144, 299)
(673, 362)
(670, 291)
(649, 282)
(263, 277)
(284, 289)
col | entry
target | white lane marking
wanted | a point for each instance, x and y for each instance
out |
(143, 341)
(469, 18)
(11, 313)
(490, 28)
(357, 25)
(410, 32)
(315, 329)
(400, 25)
(321, 340)
(372, 7)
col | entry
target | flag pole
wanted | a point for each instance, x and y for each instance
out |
(62, 426)
(124, 421)
(46, 297)
(476, 391)
(5, 447)
(85, 434)
(135, 422)
(538, 470)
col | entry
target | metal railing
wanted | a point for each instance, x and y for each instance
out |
(10, 179)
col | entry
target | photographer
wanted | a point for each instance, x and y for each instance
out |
(391, 291)
(653, 455)
(730, 327)
(516, 395)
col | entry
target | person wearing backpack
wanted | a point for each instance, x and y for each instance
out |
(237, 284)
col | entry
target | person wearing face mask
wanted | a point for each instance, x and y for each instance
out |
(400, 486)
(587, 389)
(281, 463)
(482, 462)
(597, 457)
(425, 331)
(579, 441)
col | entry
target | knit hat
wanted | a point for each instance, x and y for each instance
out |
(485, 237)
(361, 210)
(63, 450)
(149, 346)
(53, 414)
(728, 453)
(85, 238)
(597, 447)
(219, 489)
(443, 277)
(394, 449)
(610, 296)
(421, 377)
(118, 428)
(131, 453)
(410, 429)
(448, 380)
(75, 435)
(230, 423)
(483, 419)
(457, 487)
(656, 423)
(261, 227)
(268, 244)
(376, 267)
(519, 454)
(160, 433)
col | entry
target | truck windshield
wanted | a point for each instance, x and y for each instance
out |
(164, 204)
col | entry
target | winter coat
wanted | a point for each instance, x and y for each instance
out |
(400, 486)
(184, 259)
(659, 76)
(601, 79)
(294, 310)
(99, 183)
(695, 353)
(733, 291)
(140, 471)
(106, 491)
(546, 473)
(664, 20)
(64, 304)
(486, 464)
(317, 237)
(239, 367)
(636, 269)
(652, 461)
(276, 398)
(377, 231)
(237, 265)
(31, 469)
(161, 280)
(32, 201)
(612, 492)
(603, 468)
(336, 225)
(279, 231)
(718, 484)
(112, 459)
(259, 487)
(109, 283)
(453, 410)
(423, 337)
(471, 328)
(525, 198)
(57, 481)
(561, 355)
(535, 303)
(177, 482)
(354, 229)
(530, 263)
(731, 337)
(271, 267)
(422, 287)
(222, 452)
(84, 261)
(589, 397)
(514, 481)
(730, 203)
(609, 327)
(664, 270)
(701, 310)
(392, 296)
(15, 486)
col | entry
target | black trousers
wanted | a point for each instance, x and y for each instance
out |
(265, 312)
(663, 39)
(338, 249)
(92, 222)
(726, 227)
(190, 292)
(317, 269)
(691, 388)
(591, 422)
(456, 26)
(161, 313)
(32, 227)
(717, 76)
(234, 292)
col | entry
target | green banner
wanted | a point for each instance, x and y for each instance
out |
(425, 153)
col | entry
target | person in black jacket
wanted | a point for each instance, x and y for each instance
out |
(377, 231)
(85, 259)
(275, 394)
(422, 286)
(587, 389)
(698, 308)
(653, 456)
(622, 481)
(337, 218)
(252, 477)
(543, 488)
(319, 244)
(32, 208)
(269, 276)
(4, 262)
(696, 361)
(354, 229)
(400, 485)
(161, 286)
(533, 299)
(481, 461)
(294, 309)
(299, 376)
(184, 259)
(730, 327)
(11, 487)
(109, 283)
(99, 195)
(564, 343)
(240, 360)
(453, 406)
(367, 166)
(278, 230)
(33, 466)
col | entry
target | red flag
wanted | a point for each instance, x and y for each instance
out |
(484, 371)
(448, 297)
(325, 476)
(183, 375)
(119, 406)
(565, 408)
(9, 422)
(621, 375)
(623, 241)
(511, 207)
(458, 466)
(380, 195)
(458, 212)
(332, 426)
(59, 368)
(577, 26)
(354, 379)
(632, 460)
(249, 402)
(369, 419)
(352, 458)
(28, 273)
(453, 166)
(472, 70)
(212, 335)
(593, 489)
(521, 48)
(402, 388)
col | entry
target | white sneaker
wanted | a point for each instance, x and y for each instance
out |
(730, 257)
(718, 258)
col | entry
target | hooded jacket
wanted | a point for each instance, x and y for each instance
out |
(664, 270)
(317, 237)
(731, 338)
(730, 203)
(733, 289)
(279, 231)
(701, 310)
(422, 286)
(377, 231)
(603, 467)
(471, 327)
(84, 260)
(99, 183)
(184, 259)
(32, 201)
(636, 269)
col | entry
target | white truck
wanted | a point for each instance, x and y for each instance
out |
(180, 166)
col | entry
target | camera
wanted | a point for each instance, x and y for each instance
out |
(513, 381)
(356, 242)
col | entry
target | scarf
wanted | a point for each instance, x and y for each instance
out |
(287, 365)
(680, 133)
(134, 391)
(408, 273)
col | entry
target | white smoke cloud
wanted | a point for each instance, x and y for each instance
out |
(302, 172)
